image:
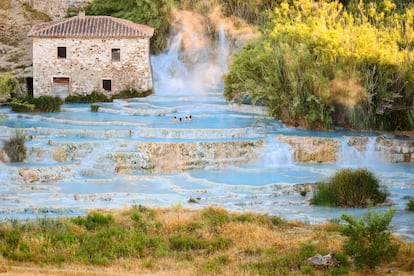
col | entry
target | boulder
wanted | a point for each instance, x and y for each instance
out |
(323, 262)
(29, 175)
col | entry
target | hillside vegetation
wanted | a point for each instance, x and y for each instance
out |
(321, 64)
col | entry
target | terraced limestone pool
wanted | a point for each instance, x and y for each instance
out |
(132, 152)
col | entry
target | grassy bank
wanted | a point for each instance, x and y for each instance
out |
(176, 241)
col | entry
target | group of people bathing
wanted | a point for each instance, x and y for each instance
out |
(187, 118)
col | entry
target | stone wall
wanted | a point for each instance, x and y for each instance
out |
(88, 62)
(55, 8)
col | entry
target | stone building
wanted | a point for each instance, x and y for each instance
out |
(82, 54)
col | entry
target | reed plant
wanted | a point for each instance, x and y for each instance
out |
(350, 188)
(15, 147)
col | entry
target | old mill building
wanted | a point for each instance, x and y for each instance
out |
(82, 54)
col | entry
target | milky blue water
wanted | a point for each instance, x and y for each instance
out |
(265, 185)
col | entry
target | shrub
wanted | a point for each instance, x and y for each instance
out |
(369, 238)
(350, 188)
(410, 205)
(15, 147)
(94, 107)
(6, 87)
(89, 98)
(94, 221)
(46, 103)
(21, 105)
(131, 93)
(40, 104)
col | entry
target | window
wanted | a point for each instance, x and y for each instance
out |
(116, 54)
(61, 52)
(107, 85)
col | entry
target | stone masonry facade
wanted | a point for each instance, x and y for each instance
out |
(88, 63)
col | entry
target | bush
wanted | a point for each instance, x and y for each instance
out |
(89, 98)
(40, 104)
(21, 105)
(6, 87)
(94, 107)
(46, 103)
(350, 188)
(94, 221)
(15, 147)
(131, 93)
(370, 241)
(410, 205)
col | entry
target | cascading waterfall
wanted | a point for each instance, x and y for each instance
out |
(367, 156)
(276, 154)
(223, 50)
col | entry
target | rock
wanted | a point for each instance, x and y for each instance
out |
(4, 157)
(324, 262)
(29, 175)
(59, 154)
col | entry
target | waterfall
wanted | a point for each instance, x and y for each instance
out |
(223, 52)
(276, 154)
(194, 70)
(170, 74)
(362, 154)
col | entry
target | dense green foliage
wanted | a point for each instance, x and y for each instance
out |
(40, 104)
(252, 11)
(6, 87)
(15, 147)
(319, 65)
(350, 188)
(152, 13)
(88, 98)
(131, 93)
(369, 238)
(410, 205)
(95, 96)
(46, 103)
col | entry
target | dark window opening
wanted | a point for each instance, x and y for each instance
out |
(61, 52)
(29, 85)
(107, 85)
(116, 54)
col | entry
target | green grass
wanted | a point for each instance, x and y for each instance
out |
(211, 241)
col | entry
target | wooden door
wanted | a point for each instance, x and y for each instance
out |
(61, 87)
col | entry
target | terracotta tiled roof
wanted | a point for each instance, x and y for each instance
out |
(91, 26)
